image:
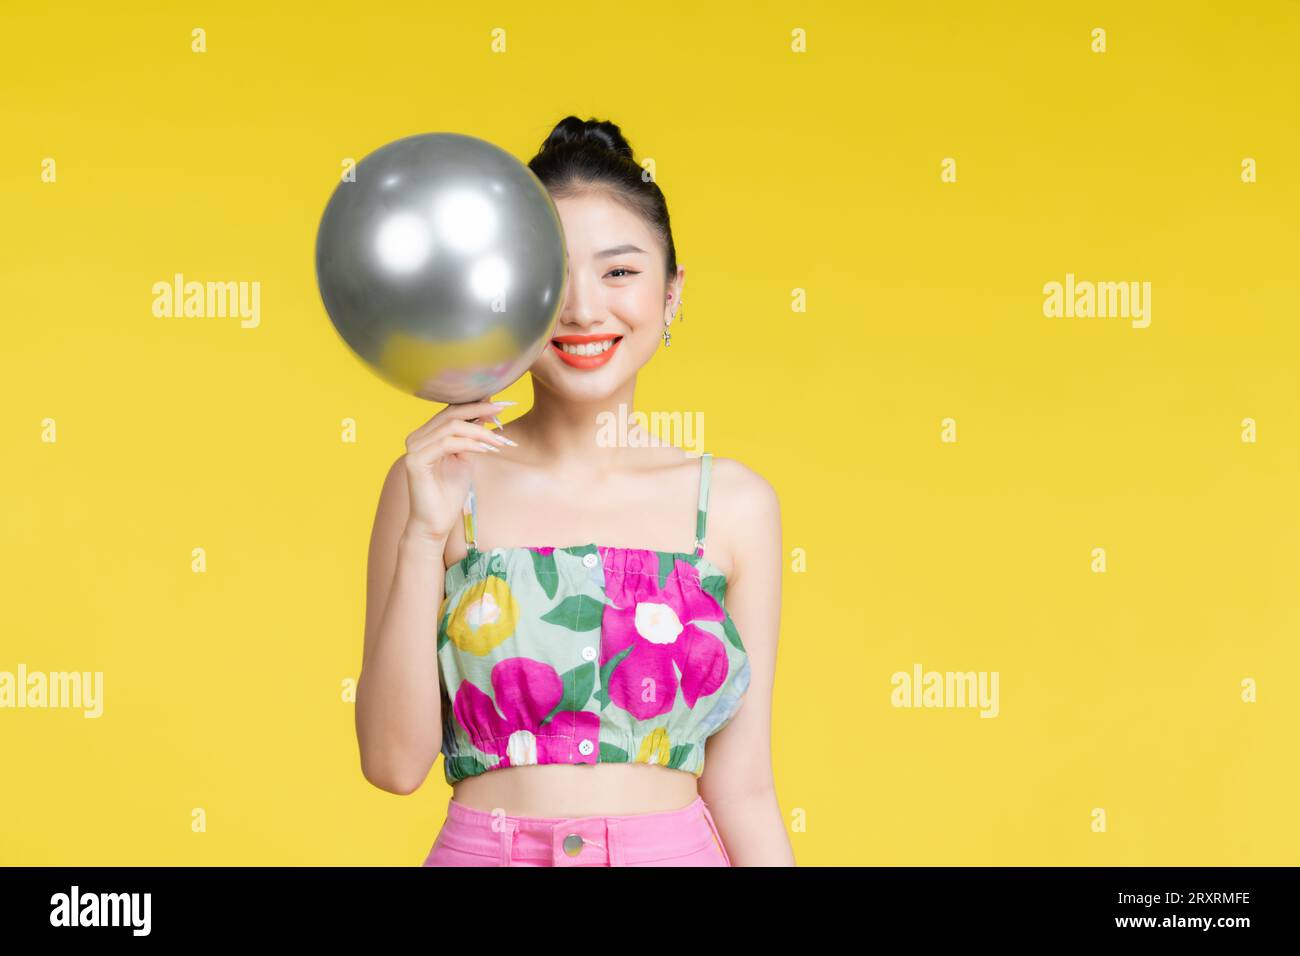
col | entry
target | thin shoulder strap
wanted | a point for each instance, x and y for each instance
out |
(470, 511)
(702, 512)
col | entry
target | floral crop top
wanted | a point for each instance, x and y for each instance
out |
(585, 654)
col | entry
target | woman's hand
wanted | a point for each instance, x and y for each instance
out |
(438, 465)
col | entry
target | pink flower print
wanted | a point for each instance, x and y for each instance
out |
(547, 550)
(656, 627)
(525, 691)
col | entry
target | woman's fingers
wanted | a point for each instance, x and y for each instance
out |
(467, 411)
(460, 429)
(440, 446)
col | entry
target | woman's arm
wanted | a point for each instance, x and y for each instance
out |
(398, 709)
(737, 782)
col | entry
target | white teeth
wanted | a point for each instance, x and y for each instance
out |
(589, 348)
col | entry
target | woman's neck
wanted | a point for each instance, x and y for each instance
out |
(579, 437)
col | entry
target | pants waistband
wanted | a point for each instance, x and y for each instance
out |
(582, 841)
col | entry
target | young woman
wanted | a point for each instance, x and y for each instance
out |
(588, 644)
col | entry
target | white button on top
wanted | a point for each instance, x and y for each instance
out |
(589, 654)
(586, 747)
(590, 560)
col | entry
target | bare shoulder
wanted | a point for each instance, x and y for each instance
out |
(389, 520)
(390, 517)
(744, 516)
(394, 498)
(740, 482)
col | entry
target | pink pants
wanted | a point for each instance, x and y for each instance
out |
(685, 837)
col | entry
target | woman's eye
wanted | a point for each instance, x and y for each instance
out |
(624, 271)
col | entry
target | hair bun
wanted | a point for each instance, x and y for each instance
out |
(601, 134)
(592, 156)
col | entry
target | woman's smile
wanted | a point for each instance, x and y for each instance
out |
(585, 351)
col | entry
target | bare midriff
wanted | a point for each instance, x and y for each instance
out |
(578, 790)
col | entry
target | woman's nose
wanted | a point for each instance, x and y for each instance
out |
(579, 301)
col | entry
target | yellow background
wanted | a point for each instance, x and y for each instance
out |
(816, 171)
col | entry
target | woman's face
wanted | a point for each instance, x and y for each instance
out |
(617, 299)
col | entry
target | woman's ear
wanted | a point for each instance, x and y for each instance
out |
(673, 295)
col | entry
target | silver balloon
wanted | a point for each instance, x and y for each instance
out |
(443, 266)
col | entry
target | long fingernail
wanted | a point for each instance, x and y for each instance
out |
(494, 448)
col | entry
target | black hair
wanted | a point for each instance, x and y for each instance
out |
(579, 156)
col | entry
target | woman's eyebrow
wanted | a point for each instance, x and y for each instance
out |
(619, 250)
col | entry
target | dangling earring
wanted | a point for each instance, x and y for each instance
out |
(681, 316)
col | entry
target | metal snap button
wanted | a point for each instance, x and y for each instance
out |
(586, 747)
(590, 560)
(573, 844)
(589, 654)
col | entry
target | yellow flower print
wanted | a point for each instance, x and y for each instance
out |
(655, 749)
(485, 617)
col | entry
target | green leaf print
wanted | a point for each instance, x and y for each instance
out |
(442, 627)
(729, 629)
(462, 767)
(578, 684)
(715, 585)
(678, 754)
(666, 564)
(547, 575)
(579, 612)
(611, 664)
(611, 754)
(602, 695)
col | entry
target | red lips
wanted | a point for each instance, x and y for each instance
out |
(585, 361)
